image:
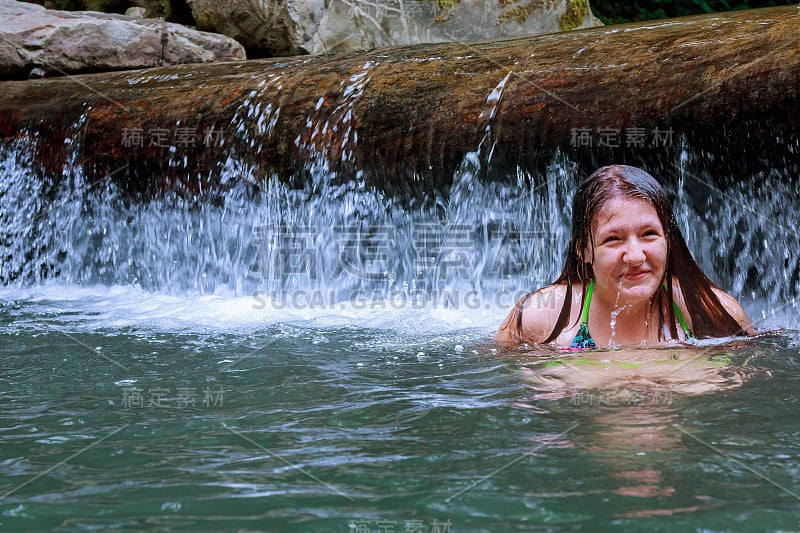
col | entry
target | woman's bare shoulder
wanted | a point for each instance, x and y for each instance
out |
(540, 310)
(731, 305)
(735, 309)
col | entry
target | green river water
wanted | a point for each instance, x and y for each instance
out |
(322, 423)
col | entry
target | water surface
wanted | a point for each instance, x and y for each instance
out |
(124, 409)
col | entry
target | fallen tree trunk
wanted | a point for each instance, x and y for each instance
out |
(406, 117)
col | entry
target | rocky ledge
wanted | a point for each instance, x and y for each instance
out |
(35, 41)
(81, 39)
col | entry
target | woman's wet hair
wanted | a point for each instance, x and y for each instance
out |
(709, 316)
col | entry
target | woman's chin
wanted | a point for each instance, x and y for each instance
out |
(637, 294)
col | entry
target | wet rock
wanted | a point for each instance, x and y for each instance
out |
(37, 73)
(156, 8)
(136, 12)
(61, 42)
(290, 27)
(405, 119)
(276, 28)
(357, 25)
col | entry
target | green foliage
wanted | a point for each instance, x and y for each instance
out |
(618, 11)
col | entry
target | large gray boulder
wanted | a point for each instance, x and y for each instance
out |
(366, 24)
(288, 27)
(265, 27)
(59, 42)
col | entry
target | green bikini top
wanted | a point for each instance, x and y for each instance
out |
(583, 339)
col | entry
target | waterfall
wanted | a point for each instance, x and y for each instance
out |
(328, 239)
(323, 239)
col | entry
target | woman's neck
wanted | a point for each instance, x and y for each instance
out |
(615, 324)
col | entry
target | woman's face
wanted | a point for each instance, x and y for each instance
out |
(630, 251)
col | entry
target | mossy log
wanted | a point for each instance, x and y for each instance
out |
(406, 117)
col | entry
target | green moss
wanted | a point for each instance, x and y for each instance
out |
(518, 14)
(443, 4)
(573, 17)
(577, 10)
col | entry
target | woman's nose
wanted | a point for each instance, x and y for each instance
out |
(634, 253)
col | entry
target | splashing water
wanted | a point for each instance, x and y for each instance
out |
(331, 241)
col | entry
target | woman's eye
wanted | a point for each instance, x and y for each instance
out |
(610, 239)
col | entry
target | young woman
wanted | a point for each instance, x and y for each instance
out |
(629, 278)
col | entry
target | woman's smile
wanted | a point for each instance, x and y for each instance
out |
(635, 275)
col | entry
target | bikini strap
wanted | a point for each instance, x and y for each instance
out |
(686, 331)
(587, 299)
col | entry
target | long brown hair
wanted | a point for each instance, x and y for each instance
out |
(709, 316)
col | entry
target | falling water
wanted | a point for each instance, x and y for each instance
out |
(333, 241)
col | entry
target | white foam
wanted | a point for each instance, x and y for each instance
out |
(128, 307)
